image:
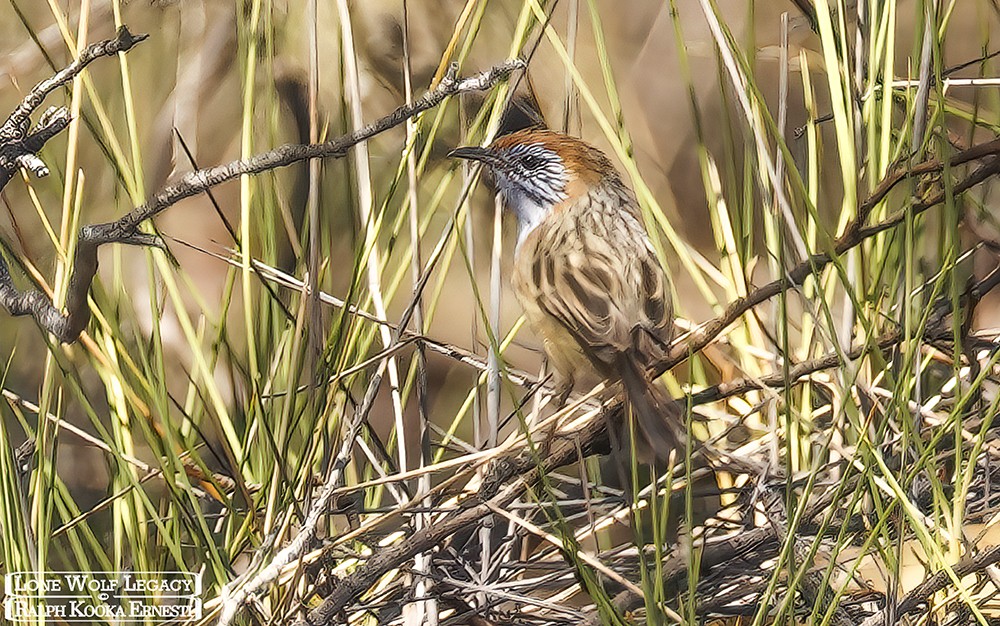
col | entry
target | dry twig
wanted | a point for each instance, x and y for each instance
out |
(855, 233)
(68, 326)
(18, 149)
(918, 596)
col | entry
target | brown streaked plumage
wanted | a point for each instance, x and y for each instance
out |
(585, 271)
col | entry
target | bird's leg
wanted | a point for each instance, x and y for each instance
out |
(619, 440)
(659, 342)
(564, 387)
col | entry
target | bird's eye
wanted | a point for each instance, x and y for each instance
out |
(531, 161)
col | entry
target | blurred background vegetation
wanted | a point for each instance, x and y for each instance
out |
(211, 394)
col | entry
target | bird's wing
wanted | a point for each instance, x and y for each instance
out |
(604, 284)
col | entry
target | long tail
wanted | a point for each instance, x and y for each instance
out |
(658, 417)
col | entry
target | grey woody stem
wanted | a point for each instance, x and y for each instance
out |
(16, 144)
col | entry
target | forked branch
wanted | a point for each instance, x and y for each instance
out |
(19, 147)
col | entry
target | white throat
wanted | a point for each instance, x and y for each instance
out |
(529, 213)
(526, 209)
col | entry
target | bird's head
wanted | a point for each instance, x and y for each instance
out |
(538, 171)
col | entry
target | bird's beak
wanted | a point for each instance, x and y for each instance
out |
(473, 153)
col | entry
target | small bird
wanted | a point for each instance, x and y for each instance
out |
(585, 271)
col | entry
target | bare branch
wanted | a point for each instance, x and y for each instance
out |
(18, 146)
(16, 124)
(199, 181)
(918, 596)
(853, 235)
(67, 326)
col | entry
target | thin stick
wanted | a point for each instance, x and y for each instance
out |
(67, 326)
(424, 608)
(938, 581)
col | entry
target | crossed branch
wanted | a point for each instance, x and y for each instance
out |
(19, 148)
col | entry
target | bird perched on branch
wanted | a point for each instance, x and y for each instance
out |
(585, 271)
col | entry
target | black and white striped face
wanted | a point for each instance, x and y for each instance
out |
(532, 181)
(530, 177)
(531, 172)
